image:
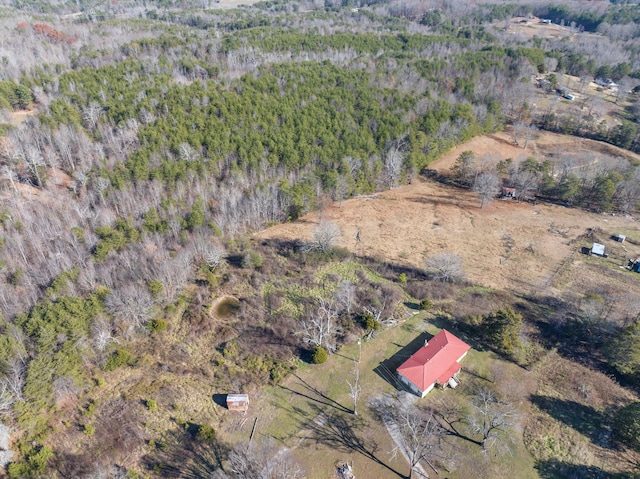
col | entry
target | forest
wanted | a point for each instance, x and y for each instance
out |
(145, 142)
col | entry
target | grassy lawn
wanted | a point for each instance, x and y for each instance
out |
(311, 412)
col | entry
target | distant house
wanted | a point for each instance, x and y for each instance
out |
(620, 238)
(508, 192)
(436, 363)
(597, 249)
(238, 402)
(606, 82)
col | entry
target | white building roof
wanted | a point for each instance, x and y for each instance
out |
(598, 249)
(237, 397)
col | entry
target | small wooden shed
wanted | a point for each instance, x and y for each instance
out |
(620, 238)
(238, 402)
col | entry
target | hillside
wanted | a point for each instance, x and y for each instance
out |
(201, 198)
(409, 223)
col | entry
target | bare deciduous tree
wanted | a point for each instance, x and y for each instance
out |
(486, 185)
(522, 130)
(393, 161)
(214, 256)
(325, 236)
(6, 398)
(355, 389)
(320, 329)
(102, 333)
(64, 388)
(34, 161)
(101, 185)
(91, 114)
(187, 152)
(10, 175)
(15, 378)
(263, 460)
(209, 251)
(131, 307)
(345, 295)
(493, 420)
(445, 267)
(417, 433)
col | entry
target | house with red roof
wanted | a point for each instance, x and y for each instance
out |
(437, 362)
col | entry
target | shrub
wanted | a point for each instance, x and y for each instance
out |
(155, 288)
(120, 357)
(157, 325)
(502, 329)
(151, 404)
(623, 352)
(253, 259)
(206, 433)
(402, 278)
(626, 426)
(426, 304)
(89, 430)
(319, 356)
(230, 349)
(91, 408)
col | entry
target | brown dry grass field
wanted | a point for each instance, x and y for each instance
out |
(533, 27)
(406, 224)
(409, 223)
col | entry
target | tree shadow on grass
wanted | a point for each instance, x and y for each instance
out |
(332, 427)
(339, 432)
(554, 469)
(387, 368)
(584, 419)
(183, 457)
(315, 395)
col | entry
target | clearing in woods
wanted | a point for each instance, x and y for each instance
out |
(406, 224)
(520, 247)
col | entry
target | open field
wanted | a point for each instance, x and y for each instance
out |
(534, 27)
(527, 249)
(409, 223)
(311, 412)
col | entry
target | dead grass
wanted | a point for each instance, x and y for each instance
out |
(407, 224)
(533, 27)
(571, 416)
(398, 225)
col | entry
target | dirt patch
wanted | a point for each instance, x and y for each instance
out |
(17, 117)
(407, 224)
(225, 307)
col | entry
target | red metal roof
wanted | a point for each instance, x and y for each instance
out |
(437, 361)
